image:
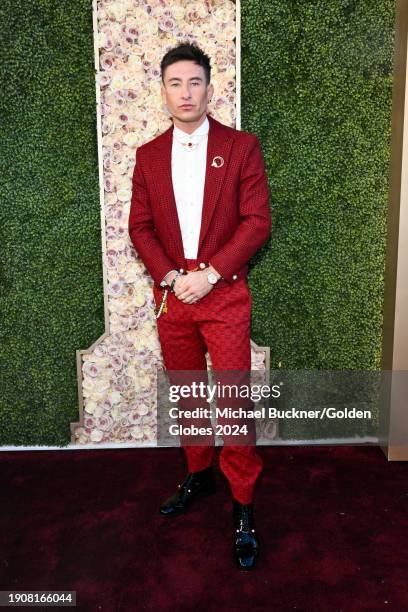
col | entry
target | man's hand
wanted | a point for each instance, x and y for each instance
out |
(193, 286)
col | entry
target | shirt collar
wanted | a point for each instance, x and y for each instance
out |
(200, 131)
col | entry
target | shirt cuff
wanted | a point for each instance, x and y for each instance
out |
(163, 283)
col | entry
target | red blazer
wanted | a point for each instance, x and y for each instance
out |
(235, 220)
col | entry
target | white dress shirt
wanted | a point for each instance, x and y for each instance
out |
(188, 167)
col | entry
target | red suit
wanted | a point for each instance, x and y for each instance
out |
(235, 223)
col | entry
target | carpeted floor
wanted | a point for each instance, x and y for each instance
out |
(332, 522)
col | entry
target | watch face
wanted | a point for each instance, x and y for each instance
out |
(212, 279)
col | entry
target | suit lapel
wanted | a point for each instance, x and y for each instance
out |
(218, 152)
(164, 188)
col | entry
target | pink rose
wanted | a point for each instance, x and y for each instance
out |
(106, 61)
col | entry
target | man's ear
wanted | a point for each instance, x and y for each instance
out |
(210, 91)
(163, 94)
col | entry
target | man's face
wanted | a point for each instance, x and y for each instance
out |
(185, 91)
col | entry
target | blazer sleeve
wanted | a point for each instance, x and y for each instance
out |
(142, 230)
(255, 216)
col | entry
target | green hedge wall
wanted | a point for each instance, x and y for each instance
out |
(51, 299)
(316, 88)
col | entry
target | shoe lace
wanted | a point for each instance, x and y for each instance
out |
(244, 519)
(187, 483)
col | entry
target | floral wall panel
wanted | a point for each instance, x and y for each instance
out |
(117, 375)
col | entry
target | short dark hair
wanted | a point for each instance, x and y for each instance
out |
(190, 52)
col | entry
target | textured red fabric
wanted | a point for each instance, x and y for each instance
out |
(236, 218)
(219, 323)
(235, 222)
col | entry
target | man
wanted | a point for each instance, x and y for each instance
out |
(199, 212)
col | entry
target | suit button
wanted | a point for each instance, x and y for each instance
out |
(202, 266)
(234, 277)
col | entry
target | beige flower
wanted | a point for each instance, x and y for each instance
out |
(116, 10)
(139, 299)
(136, 432)
(141, 17)
(130, 275)
(118, 81)
(178, 12)
(224, 13)
(115, 413)
(151, 27)
(142, 409)
(82, 438)
(131, 139)
(230, 32)
(90, 407)
(132, 22)
(99, 411)
(115, 397)
(96, 435)
(118, 244)
(123, 195)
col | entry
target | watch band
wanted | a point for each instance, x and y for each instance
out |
(173, 281)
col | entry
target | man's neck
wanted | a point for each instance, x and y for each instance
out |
(189, 127)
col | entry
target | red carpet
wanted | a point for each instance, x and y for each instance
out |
(332, 522)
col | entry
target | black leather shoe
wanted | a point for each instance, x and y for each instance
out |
(246, 544)
(196, 484)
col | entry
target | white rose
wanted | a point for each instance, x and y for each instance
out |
(151, 27)
(131, 139)
(230, 32)
(118, 245)
(148, 432)
(101, 360)
(142, 409)
(124, 195)
(136, 432)
(122, 306)
(115, 397)
(151, 129)
(139, 299)
(99, 411)
(134, 63)
(140, 16)
(155, 87)
(131, 22)
(144, 381)
(102, 385)
(115, 413)
(124, 182)
(224, 13)
(101, 39)
(90, 407)
(152, 342)
(82, 438)
(130, 275)
(116, 11)
(96, 435)
(230, 71)
(178, 12)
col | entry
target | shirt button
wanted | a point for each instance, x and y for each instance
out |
(234, 277)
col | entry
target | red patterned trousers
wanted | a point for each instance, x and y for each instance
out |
(220, 323)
